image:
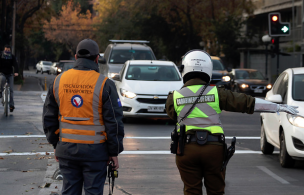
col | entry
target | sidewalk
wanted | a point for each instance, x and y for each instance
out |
(29, 84)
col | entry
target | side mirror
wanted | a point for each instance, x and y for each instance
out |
(229, 69)
(102, 60)
(116, 77)
(266, 78)
(277, 98)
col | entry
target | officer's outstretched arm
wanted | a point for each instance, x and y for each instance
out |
(267, 106)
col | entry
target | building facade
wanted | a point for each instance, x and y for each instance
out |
(291, 46)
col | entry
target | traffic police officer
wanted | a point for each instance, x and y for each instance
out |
(203, 158)
(82, 119)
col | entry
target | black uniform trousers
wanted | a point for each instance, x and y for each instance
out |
(202, 162)
(88, 174)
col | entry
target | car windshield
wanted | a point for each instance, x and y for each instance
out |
(47, 63)
(249, 74)
(152, 73)
(217, 65)
(297, 87)
(68, 66)
(120, 56)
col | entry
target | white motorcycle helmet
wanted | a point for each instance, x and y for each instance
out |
(196, 64)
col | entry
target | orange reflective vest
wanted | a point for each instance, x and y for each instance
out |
(78, 94)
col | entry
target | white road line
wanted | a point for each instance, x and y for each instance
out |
(283, 181)
(43, 136)
(170, 137)
(22, 136)
(124, 152)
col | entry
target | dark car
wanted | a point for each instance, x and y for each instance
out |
(62, 63)
(220, 74)
(249, 81)
(67, 66)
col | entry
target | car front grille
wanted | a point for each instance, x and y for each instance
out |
(146, 111)
(151, 101)
(214, 81)
(253, 87)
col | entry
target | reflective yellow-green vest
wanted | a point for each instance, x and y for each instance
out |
(205, 115)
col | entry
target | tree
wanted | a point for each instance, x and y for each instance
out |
(175, 26)
(70, 27)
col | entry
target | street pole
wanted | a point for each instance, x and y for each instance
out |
(266, 68)
(14, 28)
(278, 55)
(266, 40)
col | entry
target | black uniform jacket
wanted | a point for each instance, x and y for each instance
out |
(7, 64)
(112, 116)
(228, 100)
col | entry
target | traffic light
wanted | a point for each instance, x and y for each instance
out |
(276, 27)
(275, 47)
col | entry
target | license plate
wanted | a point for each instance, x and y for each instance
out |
(258, 91)
(156, 108)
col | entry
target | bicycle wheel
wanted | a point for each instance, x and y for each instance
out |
(6, 102)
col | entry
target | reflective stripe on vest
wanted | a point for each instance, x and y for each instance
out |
(80, 122)
(205, 115)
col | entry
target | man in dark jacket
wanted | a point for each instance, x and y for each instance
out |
(82, 119)
(9, 69)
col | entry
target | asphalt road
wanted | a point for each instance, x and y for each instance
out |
(146, 167)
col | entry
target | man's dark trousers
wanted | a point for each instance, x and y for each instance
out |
(90, 174)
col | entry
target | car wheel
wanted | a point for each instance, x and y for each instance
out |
(41, 71)
(37, 71)
(285, 160)
(266, 147)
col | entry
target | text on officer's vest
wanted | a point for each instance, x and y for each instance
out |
(191, 100)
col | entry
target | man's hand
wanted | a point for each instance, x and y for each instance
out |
(16, 74)
(288, 109)
(56, 158)
(114, 159)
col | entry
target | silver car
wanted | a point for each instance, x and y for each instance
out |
(43, 66)
(120, 51)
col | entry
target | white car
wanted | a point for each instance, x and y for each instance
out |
(282, 130)
(143, 87)
(43, 66)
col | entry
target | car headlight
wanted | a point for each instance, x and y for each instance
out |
(269, 86)
(296, 120)
(112, 75)
(59, 70)
(226, 78)
(127, 94)
(244, 86)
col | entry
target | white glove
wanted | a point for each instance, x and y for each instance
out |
(288, 109)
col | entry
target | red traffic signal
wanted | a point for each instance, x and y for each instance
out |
(276, 27)
(274, 18)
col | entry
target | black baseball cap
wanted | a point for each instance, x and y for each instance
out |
(87, 48)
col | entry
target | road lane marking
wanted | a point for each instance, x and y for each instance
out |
(124, 152)
(43, 136)
(22, 136)
(229, 137)
(283, 181)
